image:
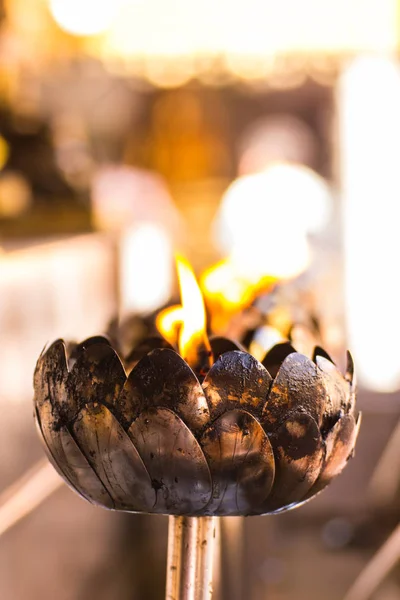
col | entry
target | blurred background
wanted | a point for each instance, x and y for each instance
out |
(262, 140)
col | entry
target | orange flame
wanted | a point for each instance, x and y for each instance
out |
(227, 292)
(190, 316)
(168, 323)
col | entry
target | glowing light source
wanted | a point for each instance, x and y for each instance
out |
(145, 264)
(193, 337)
(369, 119)
(84, 17)
(249, 34)
(189, 319)
(265, 218)
(168, 322)
(227, 291)
(262, 228)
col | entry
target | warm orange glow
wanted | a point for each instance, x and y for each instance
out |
(168, 322)
(232, 289)
(227, 292)
(189, 319)
(192, 337)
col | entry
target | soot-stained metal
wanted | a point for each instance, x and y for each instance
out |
(248, 438)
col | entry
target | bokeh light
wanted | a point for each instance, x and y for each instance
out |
(253, 227)
(369, 117)
(84, 17)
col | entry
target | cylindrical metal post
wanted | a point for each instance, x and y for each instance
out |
(190, 558)
(206, 536)
(232, 533)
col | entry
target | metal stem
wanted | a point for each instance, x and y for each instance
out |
(190, 558)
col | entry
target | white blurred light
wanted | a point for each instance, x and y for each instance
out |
(146, 265)
(369, 117)
(247, 33)
(265, 218)
(84, 17)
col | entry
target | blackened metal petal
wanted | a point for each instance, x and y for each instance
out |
(318, 351)
(275, 357)
(74, 349)
(163, 378)
(241, 462)
(298, 450)
(176, 464)
(50, 381)
(220, 345)
(149, 344)
(93, 341)
(68, 459)
(97, 375)
(352, 379)
(337, 391)
(340, 443)
(298, 387)
(114, 459)
(236, 380)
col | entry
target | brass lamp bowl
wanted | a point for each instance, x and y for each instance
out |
(251, 438)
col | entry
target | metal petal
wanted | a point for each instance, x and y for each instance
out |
(50, 381)
(163, 378)
(220, 345)
(74, 349)
(275, 357)
(299, 451)
(349, 367)
(97, 375)
(340, 443)
(93, 341)
(179, 472)
(318, 351)
(149, 344)
(114, 459)
(236, 380)
(352, 379)
(337, 391)
(69, 461)
(241, 462)
(298, 387)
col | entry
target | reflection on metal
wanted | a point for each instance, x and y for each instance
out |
(377, 569)
(191, 542)
(26, 494)
(239, 441)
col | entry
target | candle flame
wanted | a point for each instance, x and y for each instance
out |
(227, 291)
(193, 343)
(168, 322)
(192, 338)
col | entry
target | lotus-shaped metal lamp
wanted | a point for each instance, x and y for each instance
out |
(195, 433)
(245, 438)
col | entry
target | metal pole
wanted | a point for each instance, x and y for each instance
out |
(190, 558)
(232, 532)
